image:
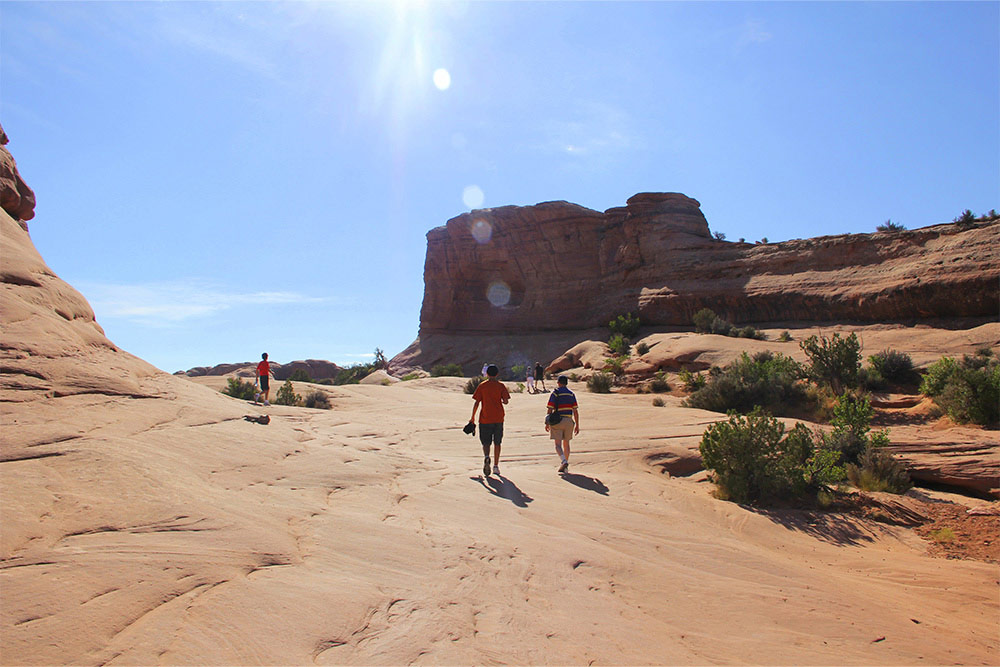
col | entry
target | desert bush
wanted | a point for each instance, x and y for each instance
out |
(619, 345)
(520, 388)
(851, 434)
(785, 337)
(658, 402)
(300, 375)
(470, 386)
(600, 383)
(703, 320)
(410, 376)
(967, 217)
(615, 365)
(834, 361)
(449, 370)
(969, 390)
(286, 395)
(890, 226)
(659, 383)
(627, 325)
(642, 348)
(241, 389)
(518, 372)
(765, 380)
(895, 367)
(751, 458)
(871, 379)
(317, 399)
(878, 470)
(747, 332)
(691, 381)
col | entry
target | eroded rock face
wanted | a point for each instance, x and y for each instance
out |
(15, 196)
(317, 369)
(559, 266)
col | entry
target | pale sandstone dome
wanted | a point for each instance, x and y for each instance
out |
(144, 521)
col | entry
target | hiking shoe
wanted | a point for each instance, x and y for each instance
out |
(564, 466)
(496, 470)
(256, 397)
(486, 466)
(266, 403)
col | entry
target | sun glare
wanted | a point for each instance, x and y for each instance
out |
(442, 79)
(472, 196)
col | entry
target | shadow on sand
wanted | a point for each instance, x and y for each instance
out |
(833, 528)
(584, 482)
(504, 488)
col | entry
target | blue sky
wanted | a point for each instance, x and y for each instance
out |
(221, 179)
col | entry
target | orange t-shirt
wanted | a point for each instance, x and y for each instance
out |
(491, 394)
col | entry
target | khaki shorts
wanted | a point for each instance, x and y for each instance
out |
(563, 430)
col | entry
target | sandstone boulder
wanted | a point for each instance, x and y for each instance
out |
(15, 196)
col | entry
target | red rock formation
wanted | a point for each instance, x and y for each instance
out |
(559, 266)
(15, 196)
(316, 368)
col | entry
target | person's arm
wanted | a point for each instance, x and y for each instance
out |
(475, 406)
(576, 421)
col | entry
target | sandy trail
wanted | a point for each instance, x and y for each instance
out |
(175, 532)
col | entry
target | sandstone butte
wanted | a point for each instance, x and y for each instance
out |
(145, 521)
(556, 269)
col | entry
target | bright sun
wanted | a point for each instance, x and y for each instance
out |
(442, 79)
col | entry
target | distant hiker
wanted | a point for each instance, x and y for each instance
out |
(563, 402)
(263, 375)
(492, 395)
(530, 379)
(540, 374)
(485, 367)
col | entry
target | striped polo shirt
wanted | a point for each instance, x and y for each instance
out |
(563, 400)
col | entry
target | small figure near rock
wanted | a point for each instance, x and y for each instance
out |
(540, 374)
(263, 379)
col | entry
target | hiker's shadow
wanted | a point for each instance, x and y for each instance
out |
(584, 482)
(504, 488)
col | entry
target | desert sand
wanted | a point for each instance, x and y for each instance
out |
(145, 521)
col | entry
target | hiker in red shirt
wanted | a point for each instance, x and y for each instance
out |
(263, 375)
(492, 395)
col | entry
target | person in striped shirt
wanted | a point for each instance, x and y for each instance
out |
(563, 402)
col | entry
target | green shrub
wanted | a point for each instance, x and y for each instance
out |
(834, 361)
(353, 374)
(286, 395)
(615, 365)
(968, 391)
(658, 402)
(470, 386)
(449, 370)
(520, 388)
(895, 367)
(871, 379)
(600, 383)
(659, 383)
(747, 332)
(642, 348)
(691, 381)
(627, 325)
(785, 337)
(318, 399)
(937, 376)
(703, 320)
(765, 380)
(300, 375)
(238, 388)
(851, 423)
(890, 226)
(410, 376)
(967, 217)
(752, 459)
(619, 345)
(518, 371)
(878, 470)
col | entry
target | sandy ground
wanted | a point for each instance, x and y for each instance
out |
(171, 531)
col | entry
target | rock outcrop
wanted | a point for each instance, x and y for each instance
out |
(15, 196)
(317, 369)
(558, 266)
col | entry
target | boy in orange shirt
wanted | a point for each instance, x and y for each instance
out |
(492, 395)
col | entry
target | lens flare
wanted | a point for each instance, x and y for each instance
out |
(472, 196)
(442, 79)
(482, 231)
(498, 294)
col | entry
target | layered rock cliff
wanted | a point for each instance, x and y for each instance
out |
(559, 266)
